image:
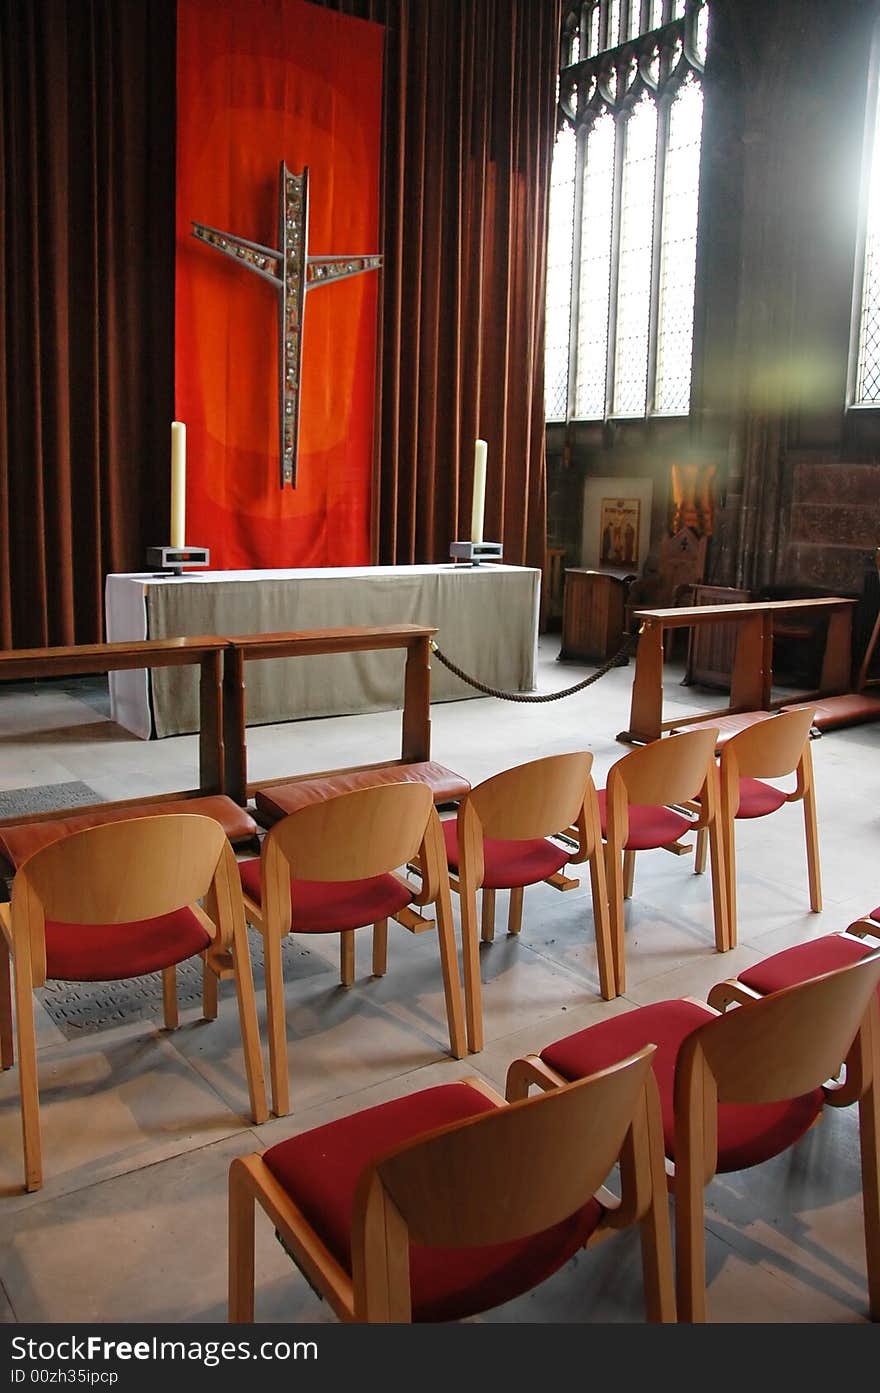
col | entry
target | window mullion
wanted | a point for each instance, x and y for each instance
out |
(656, 250)
(619, 151)
(580, 160)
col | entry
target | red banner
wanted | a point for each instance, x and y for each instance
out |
(258, 82)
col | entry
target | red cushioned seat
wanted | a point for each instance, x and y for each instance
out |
(803, 961)
(649, 827)
(509, 864)
(111, 952)
(747, 1133)
(333, 906)
(875, 915)
(320, 1169)
(757, 799)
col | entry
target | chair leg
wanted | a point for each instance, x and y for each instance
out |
(869, 1142)
(487, 916)
(723, 862)
(346, 958)
(7, 1050)
(169, 997)
(700, 852)
(614, 876)
(690, 1241)
(209, 990)
(458, 1036)
(380, 948)
(28, 1082)
(812, 834)
(656, 1236)
(629, 873)
(514, 910)
(241, 1245)
(602, 925)
(249, 1025)
(276, 1024)
(470, 951)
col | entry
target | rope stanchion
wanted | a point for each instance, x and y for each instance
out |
(619, 659)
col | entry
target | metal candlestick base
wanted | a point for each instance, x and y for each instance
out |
(175, 560)
(475, 552)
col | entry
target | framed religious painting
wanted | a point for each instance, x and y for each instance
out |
(616, 524)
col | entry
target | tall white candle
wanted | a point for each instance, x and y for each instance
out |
(178, 484)
(479, 503)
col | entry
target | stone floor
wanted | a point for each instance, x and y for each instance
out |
(140, 1125)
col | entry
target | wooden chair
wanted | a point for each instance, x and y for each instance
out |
(330, 867)
(499, 841)
(770, 749)
(741, 1087)
(117, 901)
(447, 1202)
(637, 813)
(802, 961)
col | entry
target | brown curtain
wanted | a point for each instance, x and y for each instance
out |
(469, 124)
(87, 117)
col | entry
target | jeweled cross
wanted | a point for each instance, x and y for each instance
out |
(292, 271)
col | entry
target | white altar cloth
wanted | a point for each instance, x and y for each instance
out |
(486, 616)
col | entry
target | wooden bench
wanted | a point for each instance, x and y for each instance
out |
(752, 676)
(415, 756)
(20, 836)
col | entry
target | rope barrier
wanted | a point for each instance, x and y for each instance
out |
(619, 659)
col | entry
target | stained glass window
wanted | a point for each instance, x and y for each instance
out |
(623, 210)
(867, 383)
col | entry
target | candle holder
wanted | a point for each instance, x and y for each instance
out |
(175, 560)
(475, 552)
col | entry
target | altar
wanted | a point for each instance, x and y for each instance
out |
(486, 617)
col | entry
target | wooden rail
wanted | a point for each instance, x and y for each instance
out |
(752, 677)
(23, 664)
(241, 649)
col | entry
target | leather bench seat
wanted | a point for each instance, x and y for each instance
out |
(728, 726)
(279, 800)
(20, 840)
(849, 709)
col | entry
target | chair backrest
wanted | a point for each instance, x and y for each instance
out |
(534, 799)
(669, 770)
(124, 871)
(118, 873)
(352, 836)
(769, 749)
(494, 1178)
(778, 1047)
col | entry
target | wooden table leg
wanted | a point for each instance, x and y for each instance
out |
(837, 659)
(751, 677)
(211, 771)
(416, 736)
(234, 730)
(646, 710)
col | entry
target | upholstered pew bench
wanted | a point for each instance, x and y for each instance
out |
(280, 799)
(20, 840)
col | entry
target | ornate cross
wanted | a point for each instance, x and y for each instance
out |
(292, 271)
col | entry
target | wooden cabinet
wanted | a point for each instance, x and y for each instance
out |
(592, 613)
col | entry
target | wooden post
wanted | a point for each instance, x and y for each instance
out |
(749, 682)
(416, 733)
(646, 710)
(211, 761)
(234, 725)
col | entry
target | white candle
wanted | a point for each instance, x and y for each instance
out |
(479, 503)
(178, 484)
